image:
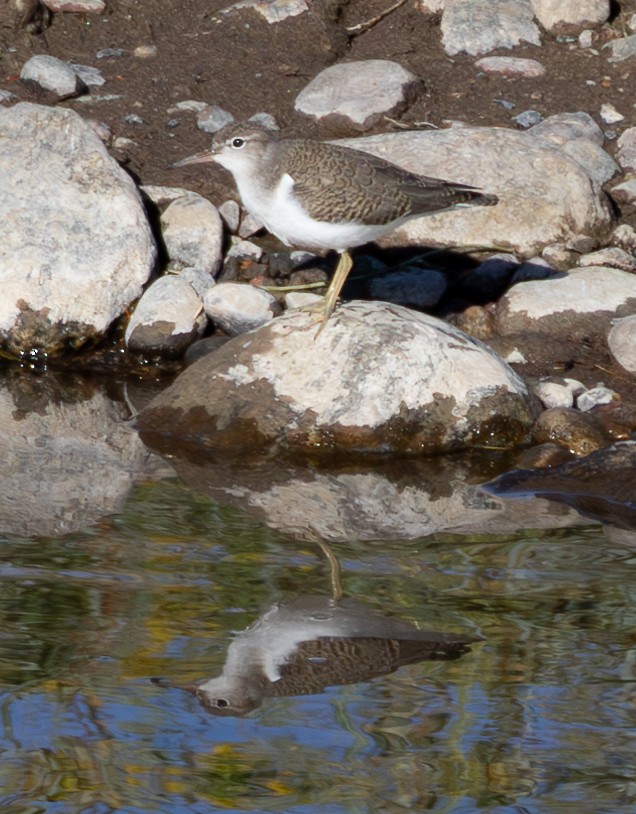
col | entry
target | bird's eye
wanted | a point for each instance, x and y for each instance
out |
(221, 703)
(237, 143)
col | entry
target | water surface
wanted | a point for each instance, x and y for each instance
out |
(538, 717)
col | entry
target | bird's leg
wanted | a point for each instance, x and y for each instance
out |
(334, 570)
(335, 287)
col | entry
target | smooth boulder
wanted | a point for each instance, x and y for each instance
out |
(75, 243)
(378, 378)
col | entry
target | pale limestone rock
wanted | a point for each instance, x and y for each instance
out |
(167, 319)
(595, 397)
(622, 342)
(54, 75)
(213, 118)
(230, 211)
(626, 154)
(570, 16)
(430, 387)
(274, 11)
(192, 231)
(554, 394)
(544, 196)
(75, 244)
(610, 114)
(562, 303)
(237, 308)
(511, 67)
(480, 26)
(81, 6)
(611, 256)
(624, 48)
(359, 93)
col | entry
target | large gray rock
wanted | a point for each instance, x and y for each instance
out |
(377, 378)
(545, 196)
(75, 245)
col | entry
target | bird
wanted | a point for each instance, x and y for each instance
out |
(324, 196)
(304, 644)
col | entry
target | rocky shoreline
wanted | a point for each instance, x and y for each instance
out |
(540, 288)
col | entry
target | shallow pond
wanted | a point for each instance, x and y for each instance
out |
(539, 716)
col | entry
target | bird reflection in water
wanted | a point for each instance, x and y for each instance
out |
(303, 645)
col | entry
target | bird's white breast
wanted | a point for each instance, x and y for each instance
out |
(282, 215)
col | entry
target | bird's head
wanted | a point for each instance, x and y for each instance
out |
(236, 696)
(240, 147)
(225, 696)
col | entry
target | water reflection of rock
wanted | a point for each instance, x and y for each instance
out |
(68, 458)
(601, 486)
(302, 646)
(397, 499)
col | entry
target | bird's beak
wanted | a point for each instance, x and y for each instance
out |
(203, 157)
(161, 682)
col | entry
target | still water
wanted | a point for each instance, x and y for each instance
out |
(539, 716)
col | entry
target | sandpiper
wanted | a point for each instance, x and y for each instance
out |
(320, 196)
(306, 644)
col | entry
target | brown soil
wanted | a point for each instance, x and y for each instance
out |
(246, 65)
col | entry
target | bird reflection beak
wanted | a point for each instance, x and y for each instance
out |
(161, 682)
(203, 157)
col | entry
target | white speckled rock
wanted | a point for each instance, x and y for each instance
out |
(626, 154)
(168, 317)
(75, 244)
(301, 299)
(200, 280)
(580, 137)
(545, 196)
(480, 26)
(212, 118)
(565, 304)
(54, 75)
(611, 256)
(430, 6)
(511, 67)
(358, 93)
(378, 377)
(625, 236)
(230, 211)
(624, 48)
(595, 397)
(554, 394)
(622, 342)
(192, 231)
(625, 192)
(570, 16)
(610, 114)
(273, 12)
(562, 128)
(80, 6)
(237, 307)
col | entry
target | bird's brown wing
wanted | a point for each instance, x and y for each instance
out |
(333, 187)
